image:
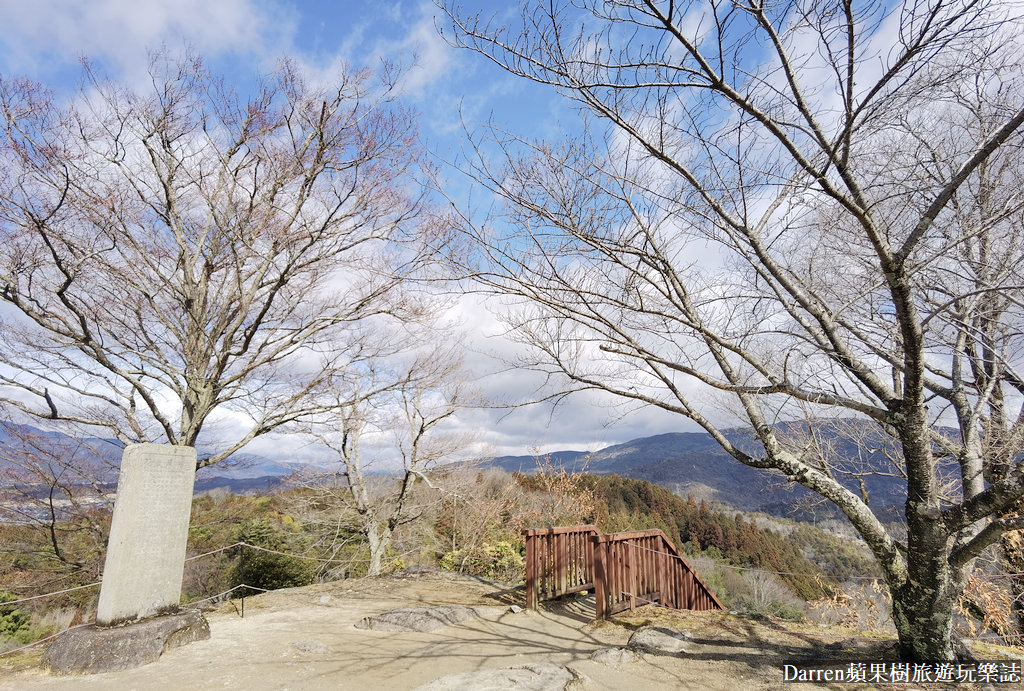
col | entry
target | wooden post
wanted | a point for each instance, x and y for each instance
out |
(531, 570)
(561, 548)
(600, 552)
(629, 574)
(588, 559)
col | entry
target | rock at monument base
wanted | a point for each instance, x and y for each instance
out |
(92, 649)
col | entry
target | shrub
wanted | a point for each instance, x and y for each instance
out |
(502, 561)
(267, 570)
(16, 627)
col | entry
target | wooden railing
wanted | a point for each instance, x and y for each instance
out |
(559, 561)
(623, 570)
(643, 567)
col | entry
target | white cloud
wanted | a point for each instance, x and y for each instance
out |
(584, 421)
(44, 35)
(432, 56)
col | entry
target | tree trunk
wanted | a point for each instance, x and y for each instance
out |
(379, 540)
(923, 614)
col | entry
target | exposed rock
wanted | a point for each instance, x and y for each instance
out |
(325, 599)
(420, 618)
(311, 647)
(660, 639)
(538, 677)
(615, 656)
(93, 649)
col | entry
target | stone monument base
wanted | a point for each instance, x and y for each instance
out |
(94, 649)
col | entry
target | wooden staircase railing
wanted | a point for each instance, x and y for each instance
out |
(559, 561)
(643, 567)
(623, 570)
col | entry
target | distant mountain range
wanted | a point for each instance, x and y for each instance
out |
(694, 464)
(100, 459)
(685, 463)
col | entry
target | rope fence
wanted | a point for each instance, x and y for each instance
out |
(219, 596)
(90, 623)
(212, 598)
(43, 640)
(229, 591)
(58, 592)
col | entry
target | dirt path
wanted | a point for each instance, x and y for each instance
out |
(306, 639)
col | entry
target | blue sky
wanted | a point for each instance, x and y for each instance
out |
(45, 39)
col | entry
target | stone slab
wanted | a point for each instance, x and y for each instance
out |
(423, 618)
(145, 558)
(542, 676)
(92, 649)
(616, 656)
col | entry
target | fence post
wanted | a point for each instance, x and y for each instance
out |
(600, 583)
(531, 570)
(241, 573)
(588, 559)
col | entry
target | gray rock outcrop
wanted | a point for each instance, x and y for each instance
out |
(538, 677)
(93, 649)
(314, 647)
(615, 656)
(660, 639)
(420, 618)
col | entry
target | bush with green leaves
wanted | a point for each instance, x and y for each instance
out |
(502, 561)
(16, 627)
(272, 570)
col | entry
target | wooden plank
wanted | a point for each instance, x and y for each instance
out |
(598, 550)
(618, 607)
(629, 572)
(546, 546)
(562, 530)
(561, 562)
(581, 546)
(663, 585)
(542, 566)
(588, 569)
(618, 567)
(579, 588)
(531, 574)
(621, 537)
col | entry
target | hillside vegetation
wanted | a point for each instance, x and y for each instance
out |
(471, 522)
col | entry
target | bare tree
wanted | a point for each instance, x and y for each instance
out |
(798, 206)
(55, 490)
(172, 254)
(371, 492)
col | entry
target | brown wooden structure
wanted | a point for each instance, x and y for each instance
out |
(559, 561)
(623, 570)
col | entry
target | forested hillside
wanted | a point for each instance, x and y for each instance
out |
(471, 523)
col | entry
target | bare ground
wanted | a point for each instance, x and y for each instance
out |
(305, 638)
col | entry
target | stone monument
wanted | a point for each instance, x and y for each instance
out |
(148, 534)
(143, 570)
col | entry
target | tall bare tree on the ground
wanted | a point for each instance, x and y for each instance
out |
(389, 437)
(797, 207)
(170, 254)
